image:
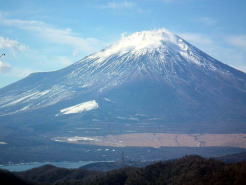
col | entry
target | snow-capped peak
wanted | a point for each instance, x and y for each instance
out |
(145, 39)
(141, 42)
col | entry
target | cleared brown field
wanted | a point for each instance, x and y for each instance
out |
(161, 140)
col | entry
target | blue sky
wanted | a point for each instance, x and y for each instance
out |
(46, 35)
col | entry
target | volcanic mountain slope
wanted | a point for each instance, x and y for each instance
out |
(147, 77)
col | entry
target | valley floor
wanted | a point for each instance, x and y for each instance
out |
(161, 140)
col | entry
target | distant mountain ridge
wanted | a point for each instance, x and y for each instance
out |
(233, 158)
(153, 77)
(187, 170)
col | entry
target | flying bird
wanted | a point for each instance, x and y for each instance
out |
(2, 54)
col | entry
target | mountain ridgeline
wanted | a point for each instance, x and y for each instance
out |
(190, 170)
(152, 77)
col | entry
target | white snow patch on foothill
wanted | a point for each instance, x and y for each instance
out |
(73, 139)
(78, 138)
(107, 99)
(82, 107)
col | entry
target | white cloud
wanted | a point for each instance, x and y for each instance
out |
(12, 74)
(69, 47)
(171, 1)
(6, 43)
(197, 38)
(118, 5)
(237, 40)
(208, 21)
(16, 72)
(4, 67)
(55, 35)
(20, 72)
(63, 60)
(124, 5)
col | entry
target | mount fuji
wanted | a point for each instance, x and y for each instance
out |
(147, 81)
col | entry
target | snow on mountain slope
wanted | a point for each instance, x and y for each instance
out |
(161, 42)
(82, 107)
(151, 71)
(138, 44)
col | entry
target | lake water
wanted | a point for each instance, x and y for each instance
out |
(63, 164)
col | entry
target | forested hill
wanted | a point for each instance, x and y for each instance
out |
(190, 170)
